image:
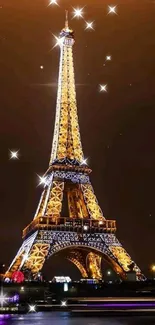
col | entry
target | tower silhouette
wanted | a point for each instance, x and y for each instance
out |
(68, 216)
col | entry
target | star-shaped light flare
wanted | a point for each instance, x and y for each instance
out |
(89, 25)
(63, 303)
(3, 299)
(84, 161)
(42, 180)
(14, 154)
(78, 12)
(103, 88)
(108, 58)
(32, 308)
(112, 10)
(59, 41)
(53, 2)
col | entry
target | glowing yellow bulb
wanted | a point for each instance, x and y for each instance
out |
(153, 268)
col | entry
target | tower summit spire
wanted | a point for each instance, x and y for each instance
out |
(66, 20)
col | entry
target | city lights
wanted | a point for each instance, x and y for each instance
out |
(22, 289)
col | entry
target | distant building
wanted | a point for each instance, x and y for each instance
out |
(89, 281)
(61, 279)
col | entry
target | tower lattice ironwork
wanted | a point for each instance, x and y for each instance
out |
(82, 232)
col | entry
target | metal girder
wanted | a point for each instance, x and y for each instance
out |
(94, 265)
(93, 207)
(123, 258)
(76, 204)
(66, 139)
(54, 203)
(36, 257)
(77, 258)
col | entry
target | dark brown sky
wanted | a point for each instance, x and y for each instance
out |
(117, 128)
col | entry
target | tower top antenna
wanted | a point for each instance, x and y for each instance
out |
(66, 20)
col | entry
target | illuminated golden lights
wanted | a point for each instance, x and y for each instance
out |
(123, 258)
(92, 205)
(66, 140)
(94, 265)
(67, 156)
(77, 259)
(37, 257)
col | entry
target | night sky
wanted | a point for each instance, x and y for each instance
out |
(117, 127)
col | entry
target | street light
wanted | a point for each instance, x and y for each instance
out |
(153, 270)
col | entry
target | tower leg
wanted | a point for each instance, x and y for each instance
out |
(31, 256)
(21, 256)
(94, 265)
(77, 258)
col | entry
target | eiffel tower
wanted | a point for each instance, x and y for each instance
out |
(83, 233)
